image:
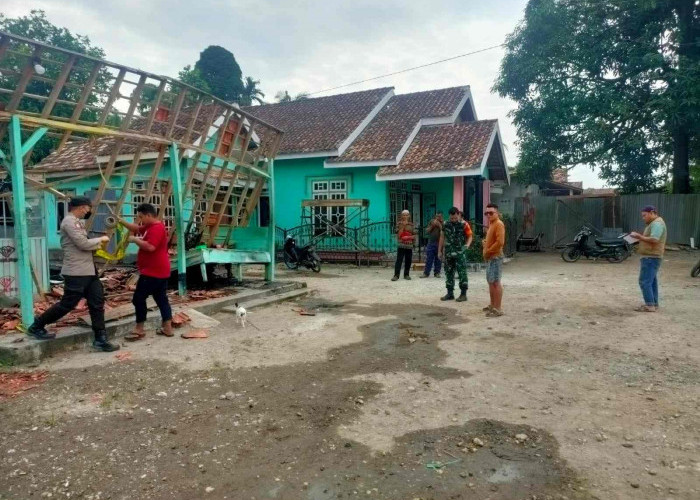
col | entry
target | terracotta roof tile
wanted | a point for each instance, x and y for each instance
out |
(81, 154)
(321, 123)
(388, 132)
(459, 146)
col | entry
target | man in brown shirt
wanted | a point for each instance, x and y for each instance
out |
(493, 256)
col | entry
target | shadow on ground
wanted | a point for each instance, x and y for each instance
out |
(151, 430)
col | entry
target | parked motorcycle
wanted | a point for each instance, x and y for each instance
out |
(695, 272)
(306, 256)
(613, 249)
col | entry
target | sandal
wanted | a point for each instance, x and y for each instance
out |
(645, 308)
(494, 313)
(161, 331)
(488, 308)
(134, 336)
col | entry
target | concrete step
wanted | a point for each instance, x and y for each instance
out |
(18, 350)
(269, 299)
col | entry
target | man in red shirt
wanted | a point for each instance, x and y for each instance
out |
(153, 264)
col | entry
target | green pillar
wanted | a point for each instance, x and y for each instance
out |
(176, 179)
(16, 166)
(270, 269)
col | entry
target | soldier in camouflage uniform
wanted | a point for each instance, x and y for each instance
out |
(455, 238)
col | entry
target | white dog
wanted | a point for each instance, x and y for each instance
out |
(241, 314)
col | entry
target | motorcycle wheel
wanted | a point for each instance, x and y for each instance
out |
(289, 261)
(695, 271)
(316, 265)
(617, 256)
(571, 254)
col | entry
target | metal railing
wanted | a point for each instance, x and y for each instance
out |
(376, 242)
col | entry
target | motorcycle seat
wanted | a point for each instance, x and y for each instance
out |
(610, 242)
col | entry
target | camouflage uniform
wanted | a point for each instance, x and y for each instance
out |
(455, 255)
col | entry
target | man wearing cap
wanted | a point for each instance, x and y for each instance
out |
(80, 277)
(651, 247)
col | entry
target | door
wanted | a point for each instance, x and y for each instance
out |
(416, 209)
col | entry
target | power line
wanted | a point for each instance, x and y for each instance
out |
(408, 69)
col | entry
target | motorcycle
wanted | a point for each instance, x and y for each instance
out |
(306, 256)
(695, 272)
(614, 250)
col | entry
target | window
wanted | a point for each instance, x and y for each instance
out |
(329, 220)
(6, 213)
(62, 207)
(139, 195)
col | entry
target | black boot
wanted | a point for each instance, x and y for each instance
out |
(450, 295)
(102, 344)
(462, 296)
(39, 332)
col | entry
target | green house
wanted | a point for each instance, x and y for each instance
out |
(423, 151)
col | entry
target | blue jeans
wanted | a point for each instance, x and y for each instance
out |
(648, 281)
(431, 258)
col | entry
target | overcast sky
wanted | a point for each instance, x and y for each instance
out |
(310, 45)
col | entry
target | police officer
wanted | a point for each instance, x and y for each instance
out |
(455, 238)
(80, 277)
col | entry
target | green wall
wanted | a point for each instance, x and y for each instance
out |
(293, 180)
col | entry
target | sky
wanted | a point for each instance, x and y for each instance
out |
(311, 45)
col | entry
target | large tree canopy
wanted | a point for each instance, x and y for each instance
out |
(615, 84)
(219, 69)
(37, 27)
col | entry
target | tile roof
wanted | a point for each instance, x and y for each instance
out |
(82, 154)
(321, 123)
(391, 128)
(459, 146)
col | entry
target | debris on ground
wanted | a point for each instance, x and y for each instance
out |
(304, 312)
(206, 294)
(440, 465)
(123, 355)
(180, 319)
(195, 334)
(14, 383)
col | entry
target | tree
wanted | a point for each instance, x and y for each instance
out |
(251, 92)
(284, 96)
(614, 84)
(219, 69)
(192, 76)
(37, 27)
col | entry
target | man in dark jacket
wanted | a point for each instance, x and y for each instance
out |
(80, 275)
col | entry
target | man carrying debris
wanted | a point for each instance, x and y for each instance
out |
(651, 247)
(493, 256)
(153, 263)
(456, 237)
(80, 277)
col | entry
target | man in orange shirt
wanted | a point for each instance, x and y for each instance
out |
(493, 256)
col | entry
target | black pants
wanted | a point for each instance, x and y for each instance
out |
(158, 288)
(74, 289)
(405, 255)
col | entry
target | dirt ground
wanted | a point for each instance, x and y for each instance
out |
(386, 393)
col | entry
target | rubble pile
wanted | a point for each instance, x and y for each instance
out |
(119, 285)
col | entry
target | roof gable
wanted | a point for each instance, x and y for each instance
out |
(460, 148)
(321, 124)
(392, 129)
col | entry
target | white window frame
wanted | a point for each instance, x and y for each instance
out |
(331, 188)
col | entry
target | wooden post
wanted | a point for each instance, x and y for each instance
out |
(26, 285)
(176, 182)
(270, 269)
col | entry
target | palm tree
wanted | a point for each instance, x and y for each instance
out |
(284, 96)
(251, 92)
